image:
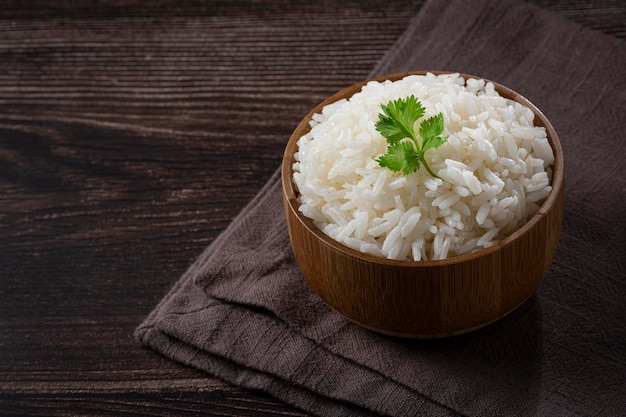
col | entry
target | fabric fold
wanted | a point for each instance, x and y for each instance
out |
(244, 313)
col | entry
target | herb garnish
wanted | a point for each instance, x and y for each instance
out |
(396, 124)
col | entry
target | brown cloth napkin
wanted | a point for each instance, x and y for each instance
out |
(243, 312)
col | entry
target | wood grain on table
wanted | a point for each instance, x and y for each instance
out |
(131, 134)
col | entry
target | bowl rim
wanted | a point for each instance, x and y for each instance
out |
(290, 194)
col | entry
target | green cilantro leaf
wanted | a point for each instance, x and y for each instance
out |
(396, 123)
(431, 128)
(399, 116)
(401, 156)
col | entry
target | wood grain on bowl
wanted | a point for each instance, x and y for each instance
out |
(426, 299)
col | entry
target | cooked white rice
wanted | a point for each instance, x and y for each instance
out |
(494, 168)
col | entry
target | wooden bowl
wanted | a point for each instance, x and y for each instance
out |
(426, 299)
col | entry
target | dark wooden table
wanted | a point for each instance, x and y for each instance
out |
(131, 133)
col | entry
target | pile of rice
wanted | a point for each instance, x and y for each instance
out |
(494, 168)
